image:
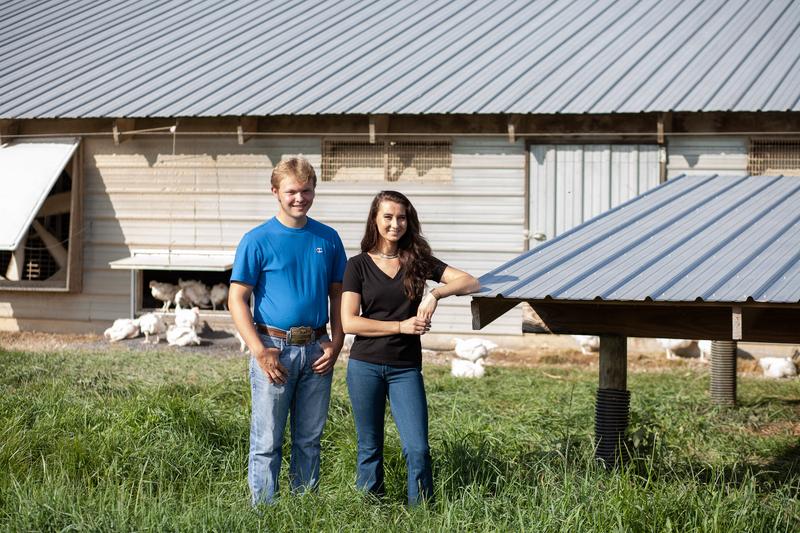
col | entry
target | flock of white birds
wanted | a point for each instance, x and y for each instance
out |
(187, 297)
(773, 367)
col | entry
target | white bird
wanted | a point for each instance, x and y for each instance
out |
(123, 328)
(675, 347)
(349, 339)
(778, 367)
(473, 349)
(242, 345)
(588, 343)
(463, 368)
(219, 295)
(188, 318)
(196, 292)
(181, 301)
(152, 324)
(164, 292)
(182, 336)
(705, 350)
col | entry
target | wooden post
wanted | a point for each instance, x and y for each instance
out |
(613, 362)
(613, 400)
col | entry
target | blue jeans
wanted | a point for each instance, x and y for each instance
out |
(369, 385)
(306, 396)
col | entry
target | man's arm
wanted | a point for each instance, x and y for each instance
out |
(331, 349)
(267, 358)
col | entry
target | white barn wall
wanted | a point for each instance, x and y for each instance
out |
(138, 195)
(697, 155)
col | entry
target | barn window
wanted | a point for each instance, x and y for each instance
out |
(387, 160)
(774, 156)
(40, 238)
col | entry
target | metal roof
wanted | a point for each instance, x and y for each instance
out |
(148, 58)
(725, 239)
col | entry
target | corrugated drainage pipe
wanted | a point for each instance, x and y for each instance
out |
(723, 372)
(611, 421)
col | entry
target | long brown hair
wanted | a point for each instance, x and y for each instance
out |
(414, 250)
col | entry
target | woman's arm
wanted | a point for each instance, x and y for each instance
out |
(355, 324)
(456, 282)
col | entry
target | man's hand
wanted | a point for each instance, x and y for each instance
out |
(426, 307)
(325, 363)
(268, 360)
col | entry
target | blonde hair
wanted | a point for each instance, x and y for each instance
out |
(296, 167)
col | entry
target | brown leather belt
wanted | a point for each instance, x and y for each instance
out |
(298, 335)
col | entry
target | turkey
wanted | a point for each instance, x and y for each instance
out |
(675, 347)
(152, 324)
(181, 301)
(219, 296)
(242, 345)
(196, 292)
(182, 336)
(588, 343)
(188, 318)
(123, 328)
(705, 350)
(349, 339)
(778, 367)
(473, 349)
(462, 368)
(164, 292)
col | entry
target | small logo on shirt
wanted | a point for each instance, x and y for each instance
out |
(318, 250)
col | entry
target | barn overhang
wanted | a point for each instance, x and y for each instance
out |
(198, 260)
(751, 322)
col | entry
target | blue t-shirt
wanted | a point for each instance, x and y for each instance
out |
(290, 270)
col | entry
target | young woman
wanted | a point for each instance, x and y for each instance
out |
(383, 305)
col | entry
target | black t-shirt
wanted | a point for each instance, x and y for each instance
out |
(384, 298)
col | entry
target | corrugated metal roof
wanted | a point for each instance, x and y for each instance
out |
(695, 238)
(143, 58)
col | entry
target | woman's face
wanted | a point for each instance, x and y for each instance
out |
(391, 221)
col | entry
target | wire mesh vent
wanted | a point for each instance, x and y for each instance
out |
(387, 160)
(774, 156)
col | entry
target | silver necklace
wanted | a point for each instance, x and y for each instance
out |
(385, 256)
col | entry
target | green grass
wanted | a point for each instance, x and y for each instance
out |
(149, 441)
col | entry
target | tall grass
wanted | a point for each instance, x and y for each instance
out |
(158, 441)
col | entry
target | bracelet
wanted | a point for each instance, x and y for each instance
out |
(435, 293)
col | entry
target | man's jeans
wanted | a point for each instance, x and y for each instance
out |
(369, 385)
(306, 395)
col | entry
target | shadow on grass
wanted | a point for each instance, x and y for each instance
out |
(648, 459)
(477, 462)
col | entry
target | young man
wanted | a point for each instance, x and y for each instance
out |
(292, 265)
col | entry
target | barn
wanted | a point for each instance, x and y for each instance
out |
(137, 138)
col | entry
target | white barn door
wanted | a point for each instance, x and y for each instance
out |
(571, 183)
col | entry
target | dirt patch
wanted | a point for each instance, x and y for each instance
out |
(223, 343)
(782, 428)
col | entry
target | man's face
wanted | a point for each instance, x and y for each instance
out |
(295, 198)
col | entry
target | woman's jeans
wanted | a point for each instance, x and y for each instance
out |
(306, 395)
(369, 385)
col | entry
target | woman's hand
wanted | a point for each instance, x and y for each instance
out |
(426, 307)
(415, 326)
